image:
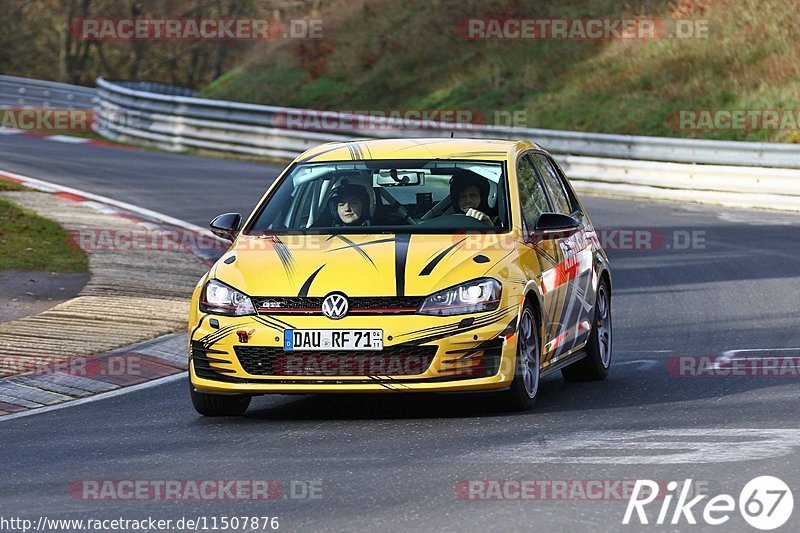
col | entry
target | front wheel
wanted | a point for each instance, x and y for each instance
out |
(525, 386)
(598, 350)
(219, 404)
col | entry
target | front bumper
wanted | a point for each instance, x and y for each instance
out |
(467, 353)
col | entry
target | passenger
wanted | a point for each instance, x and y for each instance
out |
(350, 205)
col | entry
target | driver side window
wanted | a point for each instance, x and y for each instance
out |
(532, 196)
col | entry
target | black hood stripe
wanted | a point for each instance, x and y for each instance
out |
(357, 248)
(307, 285)
(274, 323)
(285, 256)
(400, 256)
(436, 260)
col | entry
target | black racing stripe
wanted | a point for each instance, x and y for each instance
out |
(436, 260)
(540, 251)
(213, 338)
(472, 154)
(357, 248)
(439, 332)
(400, 256)
(274, 323)
(284, 255)
(269, 324)
(199, 323)
(378, 380)
(312, 156)
(430, 338)
(307, 284)
(361, 244)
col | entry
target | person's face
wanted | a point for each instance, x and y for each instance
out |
(469, 198)
(349, 209)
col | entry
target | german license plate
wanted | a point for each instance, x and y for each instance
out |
(332, 339)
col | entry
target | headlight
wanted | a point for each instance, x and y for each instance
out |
(220, 299)
(473, 296)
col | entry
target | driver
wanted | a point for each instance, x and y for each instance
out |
(469, 194)
(350, 205)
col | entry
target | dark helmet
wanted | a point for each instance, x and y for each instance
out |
(464, 179)
(349, 190)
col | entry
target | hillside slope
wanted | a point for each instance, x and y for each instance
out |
(383, 55)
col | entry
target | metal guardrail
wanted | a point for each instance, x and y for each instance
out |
(25, 92)
(723, 172)
(734, 173)
(205, 123)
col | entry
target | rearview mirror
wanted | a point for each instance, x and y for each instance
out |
(226, 226)
(399, 178)
(554, 226)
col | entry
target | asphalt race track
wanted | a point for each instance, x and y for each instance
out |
(400, 462)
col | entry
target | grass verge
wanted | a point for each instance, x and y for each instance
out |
(31, 242)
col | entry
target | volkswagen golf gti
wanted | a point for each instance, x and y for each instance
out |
(402, 266)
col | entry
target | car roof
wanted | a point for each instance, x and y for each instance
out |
(419, 148)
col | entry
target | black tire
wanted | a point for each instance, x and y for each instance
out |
(595, 365)
(219, 404)
(521, 396)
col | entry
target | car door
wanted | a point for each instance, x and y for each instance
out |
(574, 273)
(539, 259)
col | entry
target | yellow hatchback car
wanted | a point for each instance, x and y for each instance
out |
(403, 265)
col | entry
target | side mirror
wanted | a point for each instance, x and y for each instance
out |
(226, 226)
(554, 226)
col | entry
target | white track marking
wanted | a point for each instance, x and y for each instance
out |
(728, 355)
(97, 397)
(648, 363)
(67, 139)
(644, 351)
(669, 446)
(48, 186)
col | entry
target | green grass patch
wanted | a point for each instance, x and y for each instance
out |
(8, 185)
(30, 242)
(382, 55)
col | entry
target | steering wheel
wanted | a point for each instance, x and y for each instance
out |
(487, 222)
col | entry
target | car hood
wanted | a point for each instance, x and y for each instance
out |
(360, 265)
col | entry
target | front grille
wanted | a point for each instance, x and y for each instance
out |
(357, 305)
(392, 361)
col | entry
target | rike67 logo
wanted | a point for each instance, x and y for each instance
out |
(765, 503)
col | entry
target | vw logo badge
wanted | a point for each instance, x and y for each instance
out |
(334, 306)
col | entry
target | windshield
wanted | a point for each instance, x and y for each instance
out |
(402, 196)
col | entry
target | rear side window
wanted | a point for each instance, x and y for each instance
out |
(532, 197)
(552, 182)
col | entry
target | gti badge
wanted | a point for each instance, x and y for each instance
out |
(334, 306)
